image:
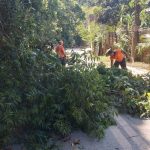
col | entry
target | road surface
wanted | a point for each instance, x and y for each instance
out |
(129, 134)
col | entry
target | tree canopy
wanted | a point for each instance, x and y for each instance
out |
(40, 20)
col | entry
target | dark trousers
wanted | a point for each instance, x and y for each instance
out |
(63, 61)
(122, 64)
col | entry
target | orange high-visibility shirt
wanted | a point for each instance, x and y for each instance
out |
(60, 51)
(118, 55)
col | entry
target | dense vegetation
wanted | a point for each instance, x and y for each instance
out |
(39, 98)
(126, 18)
(36, 22)
(129, 93)
(44, 99)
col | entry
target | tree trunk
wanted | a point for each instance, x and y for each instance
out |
(100, 52)
(135, 30)
(92, 47)
(134, 42)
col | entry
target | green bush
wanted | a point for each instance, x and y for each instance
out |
(86, 104)
(127, 92)
(40, 99)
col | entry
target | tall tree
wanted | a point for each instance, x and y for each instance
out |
(110, 13)
(135, 29)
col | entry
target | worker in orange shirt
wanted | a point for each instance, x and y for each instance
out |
(61, 52)
(119, 56)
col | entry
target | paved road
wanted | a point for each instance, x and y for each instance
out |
(137, 71)
(129, 134)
